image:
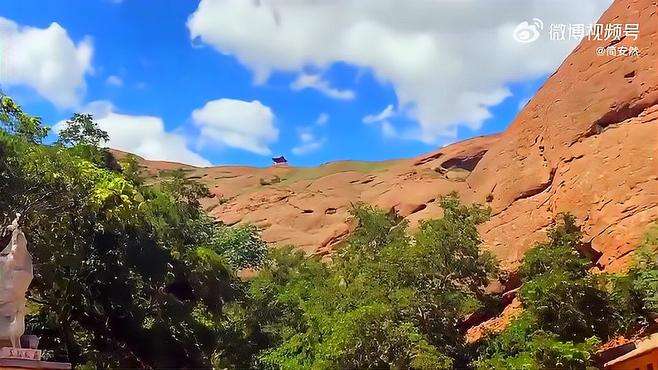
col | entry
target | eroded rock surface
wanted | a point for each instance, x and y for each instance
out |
(587, 143)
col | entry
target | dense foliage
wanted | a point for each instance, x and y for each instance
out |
(125, 274)
(386, 300)
(568, 308)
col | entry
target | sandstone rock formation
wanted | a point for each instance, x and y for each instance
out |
(587, 143)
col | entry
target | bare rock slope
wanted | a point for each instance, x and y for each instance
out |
(587, 143)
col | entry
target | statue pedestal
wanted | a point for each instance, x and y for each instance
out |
(26, 358)
(20, 353)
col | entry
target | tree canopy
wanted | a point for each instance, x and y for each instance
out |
(387, 299)
(125, 274)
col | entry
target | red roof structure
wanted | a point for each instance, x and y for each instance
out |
(643, 356)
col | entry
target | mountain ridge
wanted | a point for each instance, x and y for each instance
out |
(586, 143)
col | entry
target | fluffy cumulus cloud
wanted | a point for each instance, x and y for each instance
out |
(449, 61)
(237, 124)
(46, 60)
(144, 136)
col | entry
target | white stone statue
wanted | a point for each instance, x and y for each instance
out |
(15, 276)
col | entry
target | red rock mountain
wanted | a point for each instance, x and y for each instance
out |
(587, 143)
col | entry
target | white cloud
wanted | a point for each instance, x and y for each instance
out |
(308, 140)
(322, 119)
(114, 81)
(144, 136)
(238, 124)
(382, 118)
(448, 61)
(385, 114)
(316, 82)
(46, 60)
(308, 143)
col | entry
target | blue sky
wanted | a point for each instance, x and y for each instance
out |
(298, 82)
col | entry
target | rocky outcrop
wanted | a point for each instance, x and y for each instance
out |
(587, 143)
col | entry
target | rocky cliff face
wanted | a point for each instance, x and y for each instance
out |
(587, 143)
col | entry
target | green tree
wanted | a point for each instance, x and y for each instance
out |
(82, 130)
(126, 274)
(131, 169)
(559, 290)
(521, 346)
(573, 309)
(559, 253)
(635, 295)
(568, 310)
(644, 272)
(386, 300)
(14, 121)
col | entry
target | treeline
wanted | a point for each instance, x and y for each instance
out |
(132, 273)
(389, 300)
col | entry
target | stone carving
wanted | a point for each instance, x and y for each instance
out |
(15, 276)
